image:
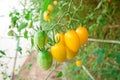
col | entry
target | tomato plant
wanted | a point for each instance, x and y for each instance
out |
(56, 27)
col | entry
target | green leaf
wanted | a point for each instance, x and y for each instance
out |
(46, 3)
(29, 65)
(26, 34)
(22, 26)
(59, 74)
(28, 15)
(19, 49)
(2, 53)
(32, 42)
(14, 19)
(102, 50)
(75, 68)
(10, 14)
(118, 58)
(11, 32)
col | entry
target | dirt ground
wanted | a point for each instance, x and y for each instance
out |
(35, 73)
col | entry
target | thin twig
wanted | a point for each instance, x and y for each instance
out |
(15, 59)
(84, 68)
(104, 41)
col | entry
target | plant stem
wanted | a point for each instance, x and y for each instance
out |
(18, 41)
(104, 41)
(54, 68)
(84, 68)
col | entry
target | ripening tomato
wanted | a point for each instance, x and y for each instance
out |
(46, 15)
(70, 54)
(50, 7)
(58, 52)
(78, 63)
(55, 2)
(40, 39)
(83, 34)
(44, 59)
(72, 40)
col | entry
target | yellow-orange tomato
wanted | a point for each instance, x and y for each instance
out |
(55, 2)
(46, 16)
(109, 1)
(72, 40)
(78, 63)
(70, 54)
(83, 34)
(50, 7)
(59, 37)
(58, 52)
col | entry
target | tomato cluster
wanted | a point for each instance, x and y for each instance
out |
(68, 44)
(64, 45)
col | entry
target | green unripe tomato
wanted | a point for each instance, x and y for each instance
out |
(44, 59)
(40, 39)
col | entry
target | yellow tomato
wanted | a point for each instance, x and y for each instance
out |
(83, 34)
(72, 40)
(50, 7)
(59, 37)
(55, 2)
(59, 52)
(109, 1)
(70, 54)
(46, 16)
(78, 63)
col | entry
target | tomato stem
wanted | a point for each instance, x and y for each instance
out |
(54, 68)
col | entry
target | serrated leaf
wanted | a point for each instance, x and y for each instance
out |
(46, 3)
(28, 15)
(14, 19)
(22, 26)
(59, 74)
(26, 34)
(19, 49)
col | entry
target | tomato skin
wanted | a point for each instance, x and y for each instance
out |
(72, 40)
(44, 59)
(59, 37)
(40, 39)
(83, 34)
(58, 52)
(70, 54)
